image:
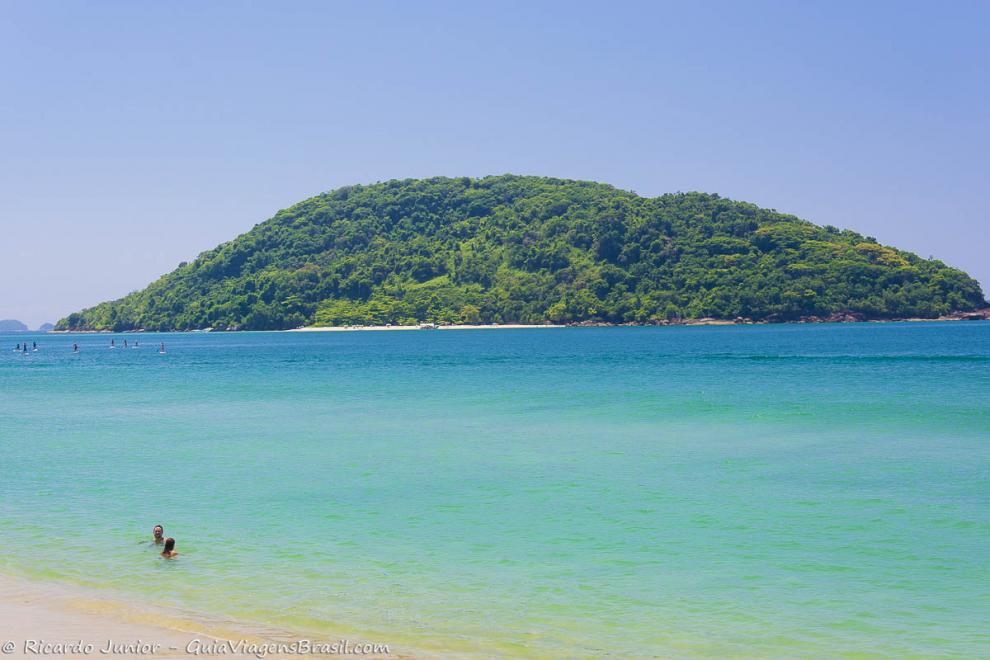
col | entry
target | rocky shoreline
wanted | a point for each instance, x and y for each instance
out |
(838, 317)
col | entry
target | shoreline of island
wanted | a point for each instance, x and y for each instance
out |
(845, 318)
(426, 326)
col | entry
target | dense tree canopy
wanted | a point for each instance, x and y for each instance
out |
(514, 249)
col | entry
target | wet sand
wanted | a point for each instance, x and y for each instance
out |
(55, 620)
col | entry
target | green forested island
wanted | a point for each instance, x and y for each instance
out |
(520, 249)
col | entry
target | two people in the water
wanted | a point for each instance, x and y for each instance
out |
(169, 551)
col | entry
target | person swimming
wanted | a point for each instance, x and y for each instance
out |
(18, 349)
(158, 533)
(169, 551)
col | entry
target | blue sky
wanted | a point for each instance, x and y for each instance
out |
(133, 136)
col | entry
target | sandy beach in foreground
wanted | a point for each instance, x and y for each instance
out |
(50, 619)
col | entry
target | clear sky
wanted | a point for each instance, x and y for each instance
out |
(135, 135)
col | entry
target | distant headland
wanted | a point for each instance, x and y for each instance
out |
(520, 250)
(12, 325)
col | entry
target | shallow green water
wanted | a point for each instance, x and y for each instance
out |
(708, 491)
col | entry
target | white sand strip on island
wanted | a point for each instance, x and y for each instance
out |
(362, 328)
(49, 619)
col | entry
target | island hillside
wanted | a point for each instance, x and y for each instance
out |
(520, 249)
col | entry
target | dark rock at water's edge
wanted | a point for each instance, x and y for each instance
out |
(11, 325)
(977, 315)
(838, 317)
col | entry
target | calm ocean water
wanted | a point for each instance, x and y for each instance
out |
(756, 491)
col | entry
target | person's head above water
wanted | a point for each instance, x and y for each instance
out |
(169, 550)
(159, 532)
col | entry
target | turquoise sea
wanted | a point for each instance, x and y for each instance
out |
(759, 491)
